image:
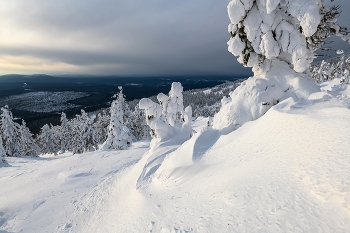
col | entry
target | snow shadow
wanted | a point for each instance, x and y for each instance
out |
(204, 142)
(152, 166)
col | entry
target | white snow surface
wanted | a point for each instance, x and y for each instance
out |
(255, 96)
(287, 171)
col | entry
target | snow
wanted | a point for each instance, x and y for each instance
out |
(284, 172)
(258, 94)
(235, 45)
(41, 194)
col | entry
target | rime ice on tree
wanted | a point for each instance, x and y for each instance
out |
(286, 30)
(2, 150)
(278, 39)
(10, 133)
(46, 140)
(118, 134)
(168, 118)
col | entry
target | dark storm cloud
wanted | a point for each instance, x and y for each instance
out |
(135, 36)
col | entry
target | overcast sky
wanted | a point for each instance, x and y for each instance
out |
(120, 37)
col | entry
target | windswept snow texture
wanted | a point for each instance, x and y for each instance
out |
(43, 194)
(288, 171)
(43, 101)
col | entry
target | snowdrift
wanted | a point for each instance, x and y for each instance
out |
(258, 94)
(285, 172)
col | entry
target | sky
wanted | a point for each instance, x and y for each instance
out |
(121, 37)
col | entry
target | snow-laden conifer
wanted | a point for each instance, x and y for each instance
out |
(118, 133)
(284, 30)
(65, 134)
(89, 136)
(139, 127)
(10, 133)
(101, 127)
(47, 140)
(28, 147)
(2, 149)
(278, 38)
(78, 143)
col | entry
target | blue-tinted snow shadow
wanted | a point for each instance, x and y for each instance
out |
(204, 142)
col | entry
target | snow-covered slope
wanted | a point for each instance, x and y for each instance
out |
(41, 194)
(288, 171)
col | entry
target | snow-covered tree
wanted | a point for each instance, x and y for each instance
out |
(139, 127)
(65, 134)
(168, 118)
(345, 78)
(154, 118)
(10, 133)
(47, 140)
(78, 143)
(263, 31)
(2, 149)
(175, 105)
(278, 39)
(101, 127)
(332, 68)
(119, 137)
(89, 136)
(28, 147)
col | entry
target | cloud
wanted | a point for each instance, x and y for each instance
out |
(119, 36)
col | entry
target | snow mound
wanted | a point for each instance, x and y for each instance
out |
(285, 172)
(258, 94)
(191, 151)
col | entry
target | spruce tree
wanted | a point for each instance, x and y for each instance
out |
(77, 142)
(118, 133)
(2, 150)
(46, 140)
(28, 147)
(10, 133)
(101, 127)
(65, 135)
(139, 127)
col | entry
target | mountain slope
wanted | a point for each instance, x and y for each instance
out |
(288, 171)
(285, 172)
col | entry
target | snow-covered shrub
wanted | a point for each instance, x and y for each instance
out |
(155, 119)
(175, 105)
(167, 118)
(119, 137)
(330, 69)
(278, 39)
